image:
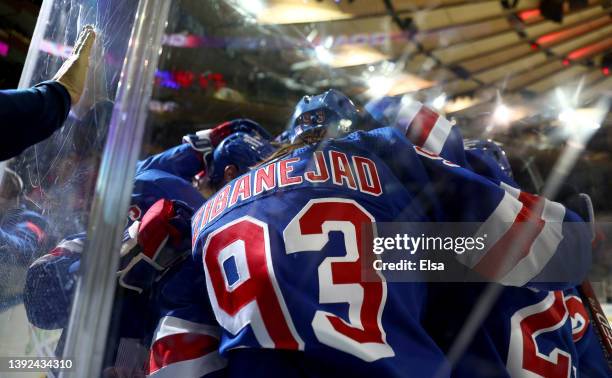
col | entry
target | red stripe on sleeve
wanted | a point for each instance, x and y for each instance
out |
(40, 234)
(421, 126)
(180, 347)
(506, 253)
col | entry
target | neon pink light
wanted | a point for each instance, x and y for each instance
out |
(4, 48)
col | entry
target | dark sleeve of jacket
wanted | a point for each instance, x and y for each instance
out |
(28, 116)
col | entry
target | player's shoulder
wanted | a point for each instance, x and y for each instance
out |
(379, 137)
(386, 144)
(155, 184)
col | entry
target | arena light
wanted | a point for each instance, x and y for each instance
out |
(567, 115)
(379, 86)
(586, 119)
(579, 125)
(529, 14)
(501, 114)
(439, 102)
(562, 35)
(254, 7)
(350, 56)
(323, 54)
(395, 84)
(298, 11)
(590, 50)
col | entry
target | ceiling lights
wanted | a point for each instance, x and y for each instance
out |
(295, 11)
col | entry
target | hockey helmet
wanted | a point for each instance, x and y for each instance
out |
(331, 111)
(240, 149)
(492, 150)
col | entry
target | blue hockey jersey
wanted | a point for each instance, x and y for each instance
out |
(280, 251)
(51, 280)
(23, 236)
(527, 332)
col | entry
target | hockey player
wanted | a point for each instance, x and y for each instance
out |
(234, 156)
(166, 175)
(527, 332)
(281, 250)
(145, 256)
(154, 244)
(23, 234)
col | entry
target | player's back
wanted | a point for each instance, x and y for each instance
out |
(283, 254)
(527, 333)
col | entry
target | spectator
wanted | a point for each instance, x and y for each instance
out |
(32, 115)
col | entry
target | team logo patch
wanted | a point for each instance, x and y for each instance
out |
(134, 213)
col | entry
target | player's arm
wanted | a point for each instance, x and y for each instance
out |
(155, 244)
(182, 161)
(43, 109)
(32, 115)
(149, 249)
(532, 241)
(422, 125)
(186, 340)
(23, 232)
(190, 158)
(50, 284)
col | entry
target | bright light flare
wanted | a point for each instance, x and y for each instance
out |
(567, 115)
(298, 11)
(323, 55)
(254, 7)
(379, 85)
(439, 102)
(394, 83)
(501, 115)
(580, 124)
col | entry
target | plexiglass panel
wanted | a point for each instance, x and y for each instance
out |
(47, 191)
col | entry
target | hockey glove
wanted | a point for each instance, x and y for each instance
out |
(207, 140)
(156, 244)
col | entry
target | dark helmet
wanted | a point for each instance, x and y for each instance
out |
(331, 111)
(491, 149)
(240, 149)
